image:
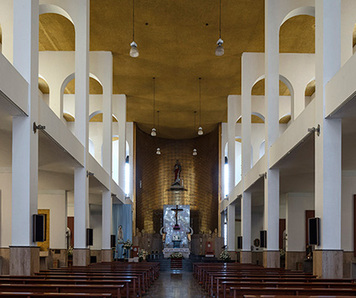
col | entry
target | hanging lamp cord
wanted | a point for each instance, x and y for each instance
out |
(154, 101)
(199, 102)
(220, 19)
(133, 20)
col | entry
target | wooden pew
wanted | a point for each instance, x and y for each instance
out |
(51, 294)
(241, 291)
(114, 290)
(69, 281)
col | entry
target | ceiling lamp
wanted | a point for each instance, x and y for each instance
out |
(200, 129)
(195, 153)
(154, 131)
(158, 152)
(219, 51)
(133, 51)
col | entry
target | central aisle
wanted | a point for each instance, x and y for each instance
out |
(180, 284)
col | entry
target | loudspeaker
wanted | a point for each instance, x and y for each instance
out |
(239, 242)
(39, 228)
(112, 240)
(263, 237)
(314, 231)
(89, 237)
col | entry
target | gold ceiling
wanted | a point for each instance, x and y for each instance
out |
(176, 41)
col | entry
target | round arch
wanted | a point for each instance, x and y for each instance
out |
(304, 10)
(51, 8)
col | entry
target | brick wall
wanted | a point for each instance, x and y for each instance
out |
(154, 176)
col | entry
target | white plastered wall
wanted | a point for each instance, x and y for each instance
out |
(347, 207)
(296, 204)
(5, 207)
(6, 23)
(55, 201)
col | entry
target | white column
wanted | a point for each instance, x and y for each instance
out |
(122, 139)
(246, 220)
(231, 228)
(246, 166)
(56, 100)
(107, 219)
(107, 120)
(328, 144)
(81, 182)
(24, 140)
(271, 185)
(233, 105)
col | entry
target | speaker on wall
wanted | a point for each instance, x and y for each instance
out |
(112, 240)
(39, 228)
(89, 237)
(314, 231)
(239, 242)
(263, 237)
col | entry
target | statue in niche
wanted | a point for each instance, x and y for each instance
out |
(120, 234)
(215, 233)
(138, 233)
(177, 170)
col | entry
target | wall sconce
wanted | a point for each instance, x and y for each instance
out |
(38, 127)
(263, 175)
(89, 174)
(315, 129)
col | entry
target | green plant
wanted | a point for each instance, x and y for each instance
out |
(176, 255)
(224, 255)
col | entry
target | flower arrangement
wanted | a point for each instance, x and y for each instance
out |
(142, 254)
(70, 251)
(176, 255)
(127, 244)
(224, 255)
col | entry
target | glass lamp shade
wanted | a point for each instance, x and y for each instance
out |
(219, 51)
(158, 152)
(134, 51)
(200, 131)
(195, 153)
(153, 132)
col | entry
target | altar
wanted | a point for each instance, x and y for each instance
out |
(176, 230)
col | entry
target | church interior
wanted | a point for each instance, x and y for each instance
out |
(178, 135)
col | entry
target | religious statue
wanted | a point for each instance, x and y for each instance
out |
(120, 240)
(189, 234)
(163, 234)
(177, 171)
(176, 210)
(120, 234)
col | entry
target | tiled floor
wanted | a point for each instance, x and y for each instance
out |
(177, 284)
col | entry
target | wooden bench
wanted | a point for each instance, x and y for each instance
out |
(114, 290)
(241, 291)
(51, 294)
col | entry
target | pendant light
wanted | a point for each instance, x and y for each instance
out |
(158, 151)
(154, 131)
(133, 51)
(195, 152)
(200, 129)
(219, 51)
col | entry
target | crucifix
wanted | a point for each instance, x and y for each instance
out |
(176, 210)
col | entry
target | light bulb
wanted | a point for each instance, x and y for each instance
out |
(158, 152)
(153, 132)
(200, 131)
(134, 51)
(195, 153)
(219, 51)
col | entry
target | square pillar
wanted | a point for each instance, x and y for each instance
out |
(24, 254)
(231, 228)
(326, 258)
(107, 255)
